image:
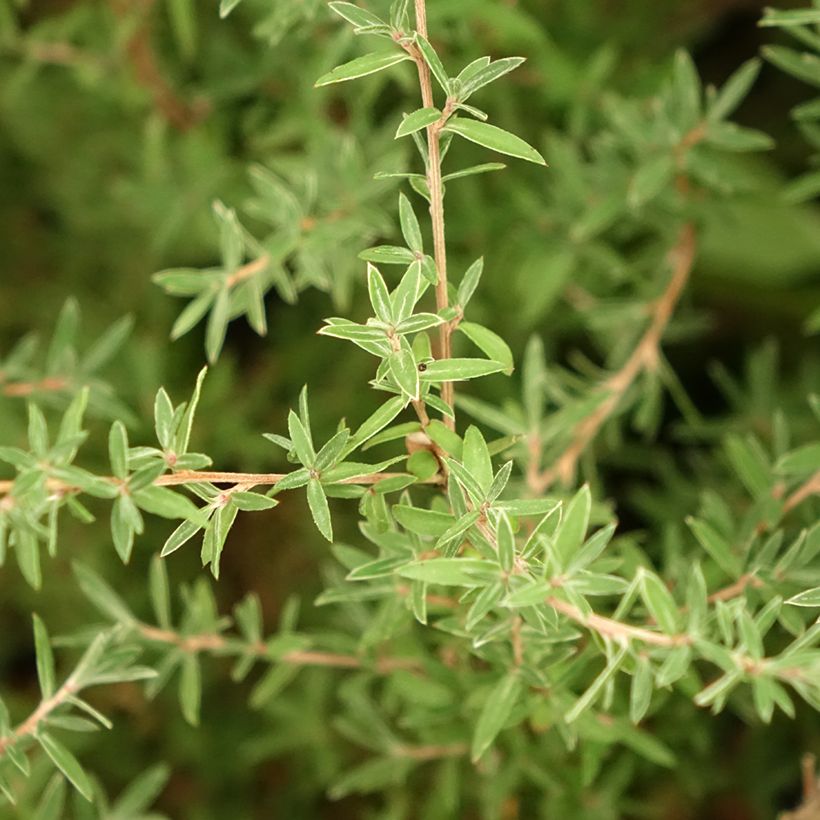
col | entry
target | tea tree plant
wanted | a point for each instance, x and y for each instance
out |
(496, 634)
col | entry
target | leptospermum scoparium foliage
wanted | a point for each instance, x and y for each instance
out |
(491, 619)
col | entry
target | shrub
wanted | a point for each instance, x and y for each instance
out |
(491, 639)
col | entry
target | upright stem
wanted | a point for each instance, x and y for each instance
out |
(436, 189)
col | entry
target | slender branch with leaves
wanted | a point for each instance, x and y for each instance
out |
(491, 617)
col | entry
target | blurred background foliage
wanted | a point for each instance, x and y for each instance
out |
(121, 121)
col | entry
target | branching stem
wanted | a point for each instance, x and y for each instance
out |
(436, 189)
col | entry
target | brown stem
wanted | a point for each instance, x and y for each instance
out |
(213, 641)
(248, 270)
(643, 358)
(245, 480)
(148, 73)
(432, 752)
(748, 579)
(609, 628)
(436, 188)
(30, 725)
(49, 384)
(804, 491)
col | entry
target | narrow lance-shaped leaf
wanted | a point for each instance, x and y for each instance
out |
(417, 120)
(45, 658)
(496, 712)
(317, 501)
(67, 764)
(362, 66)
(453, 370)
(573, 526)
(405, 371)
(494, 138)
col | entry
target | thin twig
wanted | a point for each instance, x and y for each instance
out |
(243, 480)
(214, 641)
(436, 189)
(643, 358)
(431, 752)
(30, 725)
(49, 384)
(807, 489)
(615, 630)
(748, 579)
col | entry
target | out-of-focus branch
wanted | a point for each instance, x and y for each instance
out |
(643, 358)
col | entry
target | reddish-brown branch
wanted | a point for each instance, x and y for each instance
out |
(213, 641)
(244, 480)
(809, 488)
(49, 384)
(748, 579)
(30, 725)
(432, 752)
(643, 358)
(436, 189)
(140, 52)
(615, 630)
(248, 270)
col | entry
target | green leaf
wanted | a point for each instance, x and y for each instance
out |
(67, 764)
(490, 136)
(166, 503)
(123, 526)
(227, 6)
(300, 437)
(433, 61)
(801, 461)
(573, 527)
(405, 371)
(160, 592)
(483, 168)
(142, 792)
(453, 370)
(379, 295)
(659, 602)
(590, 696)
(101, 595)
(190, 688)
(488, 74)
(183, 434)
(422, 522)
(217, 326)
(811, 597)
(476, 458)
(359, 17)
(717, 547)
(376, 422)
(388, 255)
(253, 502)
(469, 572)
(331, 452)
(506, 543)
(118, 450)
(790, 17)
(410, 227)
(732, 137)
(650, 180)
(489, 342)
(640, 695)
(495, 713)
(418, 120)
(317, 500)
(362, 66)
(181, 535)
(469, 282)
(45, 658)
(734, 90)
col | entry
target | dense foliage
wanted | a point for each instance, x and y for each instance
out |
(561, 560)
